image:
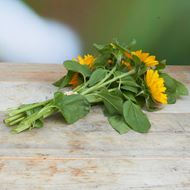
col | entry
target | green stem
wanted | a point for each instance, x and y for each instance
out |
(82, 87)
(16, 121)
(15, 117)
(78, 88)
(98, 86)
(107, 76)
(25, 124)
(27, 107)
(112, 89)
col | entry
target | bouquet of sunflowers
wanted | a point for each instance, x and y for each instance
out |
(122, 81)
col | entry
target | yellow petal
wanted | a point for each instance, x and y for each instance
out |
(156, 86)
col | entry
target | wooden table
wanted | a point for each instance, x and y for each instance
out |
(90, 154)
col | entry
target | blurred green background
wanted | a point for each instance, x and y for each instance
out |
(161, 27)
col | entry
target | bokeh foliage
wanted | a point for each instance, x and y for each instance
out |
(159, 26)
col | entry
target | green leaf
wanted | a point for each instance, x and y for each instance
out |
(170, 85)
(171, 97)
(93, 98)
(161, 65)
(169, 82)
(141, 69)
(103, 49)
(130, 88)
(135, 118)
(129, 82)
(119, 124)
(140, 101)
(99, 47)
(174, 88)
(76, 67)
(101, 61)
(181, 89)
(129, 96)
(64, 81)
(117, 93)
(120, 47)
(97, 76)
(113, 104)
(72, 107)
(38, 124)
(136, 60)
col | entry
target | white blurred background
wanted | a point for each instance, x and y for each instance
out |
(26, 37)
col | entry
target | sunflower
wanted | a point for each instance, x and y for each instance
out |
(128, 55)
(156, 86)
(86, 60)
(127, 64)
(146, 58)
(74, 82)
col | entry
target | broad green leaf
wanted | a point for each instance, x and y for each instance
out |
(170, 85)
(120, 47)
(135, 118)
(130, 83)
(124, 47)
(140, 101)
(113, 104)
(64, 81)
(174, 88)
(181, 89)
(117, 93)
(76, 67)
(119, 124)
(171, 97)
(130, 88)
(169, 82)
(102, 60)
(129, 96)
(72, 107)
(103, 49)
(97, 76)
(93, 98)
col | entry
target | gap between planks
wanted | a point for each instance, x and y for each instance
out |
(92, 158)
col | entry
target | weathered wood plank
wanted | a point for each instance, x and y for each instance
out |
(13, 94)
(31, 72)
(120, 174)
(93, 137)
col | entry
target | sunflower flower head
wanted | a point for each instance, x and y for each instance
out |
(128, 55)
(74, 82)
(86, 60)
(146, 58)
(156, 86)
(127, 64)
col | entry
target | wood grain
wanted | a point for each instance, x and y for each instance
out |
(90, 154)
(31, 72)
